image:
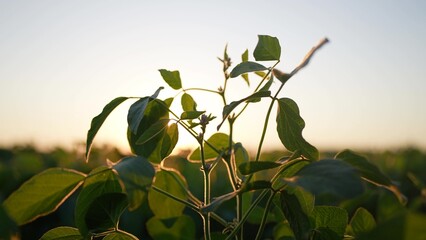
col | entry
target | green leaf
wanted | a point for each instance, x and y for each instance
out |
(362, 222)
(188, 103)
(241, 154)
(168, 101)
(219, 140)
(152, 131)
(62, 233)
(405, 226)
(328, 176)
(370, 172)
(137, 111)
(267, 85)
(282, 231)
(137, 175)
(297, 206)
(415, 226)
(287, 170)
(244, 56)
(256, 166)
(100, 181)
(256, 185)
(182, 227)
(267, 48)
(367, 170)
(42, 194)
(104, 212)
(166, 145)
(290, 126)
(330, 222)
(228, 108)
(121, 235)
(260, 74)
(8, 227)
(99, 120)
(161, 205)
(246, 67)
(191, 115)
(172, 78)
(159, 146)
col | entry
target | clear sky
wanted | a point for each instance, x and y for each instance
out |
(62, 61)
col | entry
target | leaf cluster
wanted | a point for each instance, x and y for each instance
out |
(283, 191)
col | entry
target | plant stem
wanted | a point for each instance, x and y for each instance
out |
(239, 200)
(201, 89)
(219, 219)
(244, 218)
(265, 216)
(169, 171)
(265, 125)
(188, 204)
(206, 174)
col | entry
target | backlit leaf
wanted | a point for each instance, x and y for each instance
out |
(100, 181)
(161, 205)
(182, 227)
(228, 108)
(188, 103)
(42, 194)
(362, 222)
(218, 140)
(330, 222)
(152, 131)
(297, 206)
(137, 111)
(172, 78)
(370, 172)
(290, 126)
(255, 166)
(246, 67)
(267, 48)
(244, 56)
(191, 115)
(8, 227)
(288, 170)
(256, 185)
(267, 85)
(121, 235)
(166, 144)
(104, 212)
(137, 175)
(328, 176)
(159, 146)
(367, 170)
(241, 154)
(62, 233)
(99, 120)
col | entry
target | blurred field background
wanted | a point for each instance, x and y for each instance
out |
(62, 61)
(405, 166)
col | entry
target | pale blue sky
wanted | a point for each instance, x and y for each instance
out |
(62, 61)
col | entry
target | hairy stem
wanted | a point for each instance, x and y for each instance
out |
(206, 175)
